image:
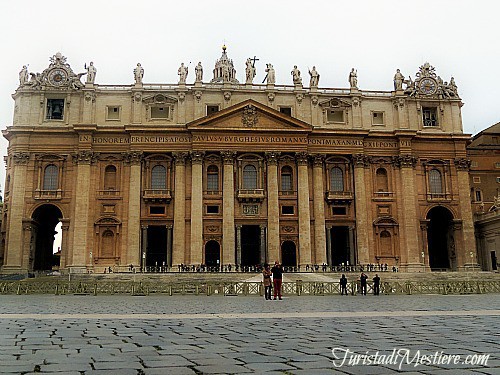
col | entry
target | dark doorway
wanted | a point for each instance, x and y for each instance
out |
(440, 239)
(250, 245)
(212, 253)
(288, 254)
(340, 245)
(45, 220)
(493, 261)
(156, 254)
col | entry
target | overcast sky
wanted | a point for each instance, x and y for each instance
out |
(459, 38)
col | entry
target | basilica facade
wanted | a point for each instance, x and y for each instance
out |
(219, 172)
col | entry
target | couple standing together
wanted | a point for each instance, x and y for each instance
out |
(277, 273)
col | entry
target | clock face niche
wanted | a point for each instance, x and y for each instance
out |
(427, 86)
(57, 77)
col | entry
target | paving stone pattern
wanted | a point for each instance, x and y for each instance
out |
(277, 345)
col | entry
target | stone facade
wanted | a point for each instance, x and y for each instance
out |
(224, 173)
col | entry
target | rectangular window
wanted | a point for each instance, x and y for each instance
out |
(55, 109)
(377, 118)
(212, 209)
(474, 164)
(113, 113)
(339, 210)
(212, 181)
(212, 109)
(286, 110)
(429, 116)
(157, 210)
(287, 210)
(478, 196)
(476, 180)
(335, 116)
(286, 182)
(160, 112)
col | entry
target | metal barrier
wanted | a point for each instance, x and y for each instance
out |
(297, 288)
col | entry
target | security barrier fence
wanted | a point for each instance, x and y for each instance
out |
(296, 288)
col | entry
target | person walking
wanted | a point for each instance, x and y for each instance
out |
(343, 285)
(363, 283)
(376, 285)
(277, 272)
(266, 273)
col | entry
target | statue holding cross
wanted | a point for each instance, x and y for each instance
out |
(250, 70)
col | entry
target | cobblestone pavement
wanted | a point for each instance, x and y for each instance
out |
(225, 335)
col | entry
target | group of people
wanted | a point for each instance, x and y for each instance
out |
(277, 273)
(362, 284)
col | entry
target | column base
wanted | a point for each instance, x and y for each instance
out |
(77, 269)
(414, 267)
(13, 270)
(474, 267)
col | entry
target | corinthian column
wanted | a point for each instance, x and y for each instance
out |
(304, 214)
(319, 210)
(196, 207)
(133, 250)
(179, 240)
(228, 239)
(273, 218)
(362, 227)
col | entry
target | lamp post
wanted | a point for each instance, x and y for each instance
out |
(143, 262)
(472, 260)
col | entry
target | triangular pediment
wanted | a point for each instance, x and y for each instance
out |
(249, 116)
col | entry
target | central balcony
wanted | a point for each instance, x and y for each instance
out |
(48, 194)
(333, 196)
(251, 195)
(157, 195)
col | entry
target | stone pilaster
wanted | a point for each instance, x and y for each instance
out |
(196, 207)
(13, 251)
(133, 250)
(169, 245)
(273, 221)
(304, 209)
(238, 244)
(262, 244)
(468, 238)
(179, 240)
(362, 226)
(319, 210)
(407, 164)
(228, 239)
(329, 245)
(84, 160)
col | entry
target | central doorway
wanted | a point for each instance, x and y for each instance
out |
(340, 245)
(45, 220)
(250, 245)
(288, 254)
(212, 253)
(156, 254)
(440, 238)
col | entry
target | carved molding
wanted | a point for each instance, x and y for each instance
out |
(249, 117)
(21, 158)
(133, 157)
(271, 96)
(462, 164)
(197, 157)
(301, 157)
(318, 160)
(180, 157)
(198, 94)
(272, 157)
(361, 160)
(228, 156)
(288, 229)
(299, 97)
(227, 95)
(405, 161)
(85, 157)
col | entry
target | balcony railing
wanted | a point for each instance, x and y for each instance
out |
(287, 193)
(157, 195)
(48, 194)
(332, 195)
(438, 197)
(108, 193)
(212, 192)
(383, 194)
(251, 195)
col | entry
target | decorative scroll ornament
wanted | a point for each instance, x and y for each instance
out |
(85, 157)
(361, 160)
(21, 158)
(318, 160)
(405, 161)
(301, 157)
(272, 157)
(249, 117)
(197, 157)
(133, 157)
(228, 156)
(462, 164)
(180, 157)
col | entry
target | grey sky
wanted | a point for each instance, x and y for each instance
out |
(459, 38)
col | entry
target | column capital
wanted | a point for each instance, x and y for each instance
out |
(405, 161)
(272, 157)
(424, 224)
(301, 157)
(462, 164)
(197, 157)
(228, 156)
(238, 226)
(85, 157)
(180, 157)
(21, 158)
(318, 160)
(133, 157)
(361, 160)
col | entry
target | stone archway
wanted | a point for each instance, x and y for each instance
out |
(440, 239)
(45, 219)
(288, 254)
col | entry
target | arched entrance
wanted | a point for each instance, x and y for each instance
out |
(45, 219)
(212, 253)
(288, 254)
(440, 239)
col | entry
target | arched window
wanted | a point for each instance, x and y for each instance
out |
(50, 177)
(286, 178)
(249, 177)
(212, 178)
(435, 182)
(158, 177)
(336, 179)
(107, 244)
(382, 183)
(385, 243)
(110, 178)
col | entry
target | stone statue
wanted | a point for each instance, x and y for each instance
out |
(398, 80)
(198, 72)
(271, 75)
(23, 76)
(314, 77)
(297, 79)
(91, 72)
(250, 71)
(353, 79)
(138, 73)
(496, 202)
(453, 86)
(225, 73)
(182, 72)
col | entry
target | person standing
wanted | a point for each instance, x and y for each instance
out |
(376, 285)
(277, 272)
(266, 273)
(363, 283)
(343, 285)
